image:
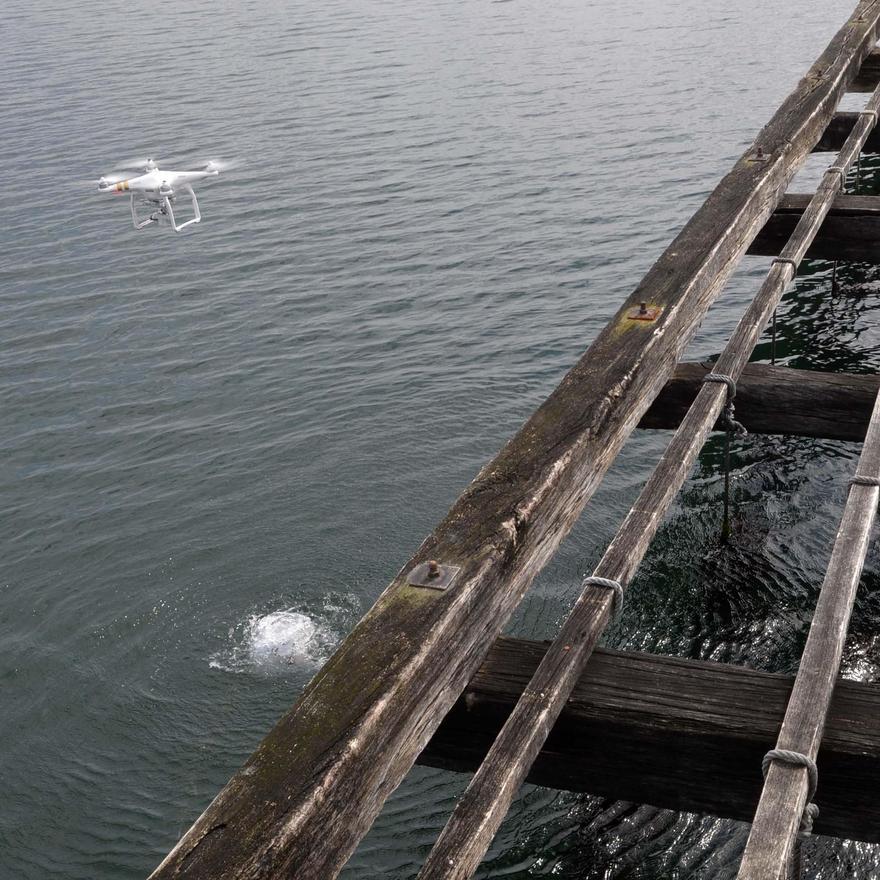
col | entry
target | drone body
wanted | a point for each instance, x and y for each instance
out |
(158, 189)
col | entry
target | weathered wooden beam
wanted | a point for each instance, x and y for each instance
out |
(837, 132)
(787, 790)
(777, 400)
(312, 789)
(478, 813)
(851, 230)
(869, 75)
(682, 734)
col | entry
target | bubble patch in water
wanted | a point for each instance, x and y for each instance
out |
(279, 640)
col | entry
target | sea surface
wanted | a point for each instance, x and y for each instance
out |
(217, 448)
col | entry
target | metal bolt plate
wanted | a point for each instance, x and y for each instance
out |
(432, 575)
(644, 312)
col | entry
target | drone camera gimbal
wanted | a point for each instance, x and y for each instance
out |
(165, 209)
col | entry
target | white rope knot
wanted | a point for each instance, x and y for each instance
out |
(728, 422)
(800, 760)
(811, 811)
(608, 584)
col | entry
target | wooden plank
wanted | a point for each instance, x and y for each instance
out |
(682, 734)
(851, 230)
(312, 789)
(837, 132)
(771, 841)
(777, 400)
(481, 809)
(869, 76)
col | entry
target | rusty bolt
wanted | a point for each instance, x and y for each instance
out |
(643, 308)
(433, 569)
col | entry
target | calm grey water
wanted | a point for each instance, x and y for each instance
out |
(218, 447)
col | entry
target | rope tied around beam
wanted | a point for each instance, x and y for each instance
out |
(799, 760)
(841, 173)
(862, 480)
(728, 422)
(786, 261)
(608, 584)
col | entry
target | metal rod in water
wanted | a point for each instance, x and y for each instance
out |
(725, 522)
(773, 342)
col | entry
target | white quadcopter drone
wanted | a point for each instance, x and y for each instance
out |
(157, 189)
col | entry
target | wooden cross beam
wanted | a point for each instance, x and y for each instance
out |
(851, 230)
(682, 734)
(777, 400)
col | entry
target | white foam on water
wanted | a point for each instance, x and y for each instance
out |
(281, 640)
(281, 635)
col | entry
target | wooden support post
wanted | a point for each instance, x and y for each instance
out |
(777, 400)
(681, 734)
(313, 787)
(784, 797)
(851, 230)
(484, 804)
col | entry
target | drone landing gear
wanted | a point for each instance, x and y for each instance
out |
(197, 216)
(165, 210)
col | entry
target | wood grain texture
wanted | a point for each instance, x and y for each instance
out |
(481, 809)
(682, 734)
(851, 231)
(777, 400)
(304, 799)
(770, 844)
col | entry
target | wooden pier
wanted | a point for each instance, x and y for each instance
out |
(424, 675)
